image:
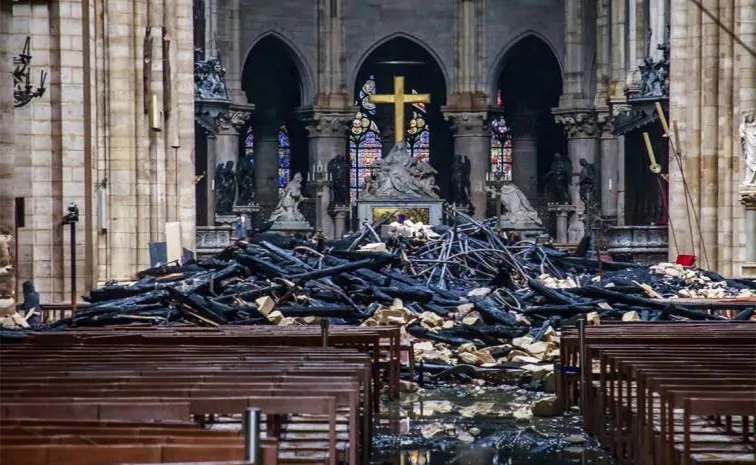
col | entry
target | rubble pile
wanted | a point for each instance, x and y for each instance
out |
(462, 294)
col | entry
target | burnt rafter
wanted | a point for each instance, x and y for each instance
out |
(23, 92)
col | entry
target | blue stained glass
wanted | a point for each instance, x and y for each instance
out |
(284, 158)
(501, 147)
(364, 141)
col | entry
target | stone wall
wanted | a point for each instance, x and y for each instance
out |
(713, 80)
(90, 138)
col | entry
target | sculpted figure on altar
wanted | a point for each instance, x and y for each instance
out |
(399, 176)
(287, 209)
(518, 207)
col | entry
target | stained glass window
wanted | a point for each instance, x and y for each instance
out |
(364, 141)
(284, 158)
(249, 143)
(418, 134)
(501, 147)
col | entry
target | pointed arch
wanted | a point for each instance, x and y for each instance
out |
(398, 35)
(501, 59)
(307, 87)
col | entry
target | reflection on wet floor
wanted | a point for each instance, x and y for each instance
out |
(479, 426)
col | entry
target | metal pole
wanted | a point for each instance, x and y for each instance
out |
(73, 266)
(251, 433)
(324, 332)
(584, 368)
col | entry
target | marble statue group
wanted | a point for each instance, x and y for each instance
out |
(748, 142)
(399, 176)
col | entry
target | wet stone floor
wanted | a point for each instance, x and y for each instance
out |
(477, 426)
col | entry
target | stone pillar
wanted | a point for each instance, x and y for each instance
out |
(8, 265)
(266, 160)
(472, 138)
(582, 143)
(7, 146)
(327, 138)
(609, 161)
(226, 147)
(525, 153)
(212, 158)
(339, 220)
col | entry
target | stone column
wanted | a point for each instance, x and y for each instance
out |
(266, 159)
(582, 143)
(212, 158)
(525, 153)
(327, 138)
(8, 261)
(226, 147)
(609, 161)
(339, 220)
(472, 138)
(7, 146)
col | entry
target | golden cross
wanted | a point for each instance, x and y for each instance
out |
(399, 99)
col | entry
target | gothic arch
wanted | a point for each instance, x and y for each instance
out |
(501, 58)
(397, 35)
(307, 88)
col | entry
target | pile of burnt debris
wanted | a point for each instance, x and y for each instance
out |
(463, 294)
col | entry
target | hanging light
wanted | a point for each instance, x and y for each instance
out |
(22, 88)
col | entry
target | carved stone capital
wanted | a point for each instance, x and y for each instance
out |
(233, 120)
(578, 124)
(321, 124)
(748, 197)
(605, 121)
(468, 123)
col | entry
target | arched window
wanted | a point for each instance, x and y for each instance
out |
(364, 141)
(284, 158)
(501, 147)
(418, 134)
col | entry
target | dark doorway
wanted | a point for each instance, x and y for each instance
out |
(403, 57)
(273, 84)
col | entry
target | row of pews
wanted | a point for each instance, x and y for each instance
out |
(665, 393)
(141, 395)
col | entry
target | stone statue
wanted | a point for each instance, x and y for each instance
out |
(246, 181)
(460, 182)
(748, 143)
(287, 209)
(225, 188)
(587, 181)
(520, 213)
(338, 173)
(399, 176)
(559, 179)
(210, 80)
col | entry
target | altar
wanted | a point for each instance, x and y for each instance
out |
(400, 186)
(429, 211)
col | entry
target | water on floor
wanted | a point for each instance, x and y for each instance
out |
(479, 426)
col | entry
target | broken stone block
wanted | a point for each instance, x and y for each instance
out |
(538, 372)
(275, 317)
(471, 318)
(546, 407)
(593, 319)
(265, 305)
(523, 415)
(479, 292)
(631, 316)
(549, 383)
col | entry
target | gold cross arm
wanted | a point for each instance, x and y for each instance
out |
(399, 99)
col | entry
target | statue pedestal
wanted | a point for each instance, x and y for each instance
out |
(292, 227)
(426, 211)
(339, 213)
(528, 231)
(748, 199)
(562, 215)
(646, 245)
